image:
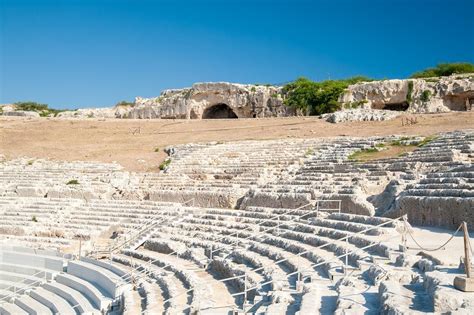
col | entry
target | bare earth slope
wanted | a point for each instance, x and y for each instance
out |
(132, 143)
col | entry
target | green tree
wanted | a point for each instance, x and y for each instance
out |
(445, 69)
(316, 98)
(31, 106)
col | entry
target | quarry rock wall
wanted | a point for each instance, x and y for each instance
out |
(365, 101)
(213, 100)
(429, 95)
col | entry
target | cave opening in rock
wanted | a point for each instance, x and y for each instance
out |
(396, 106)
(460, 102)
(219, 111)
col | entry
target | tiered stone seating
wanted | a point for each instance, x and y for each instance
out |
(43, 282)
(218, 174)
(328, 174)
(213, 230)
(62, 220)
(249, 211)
(442, 198)
(39, 178)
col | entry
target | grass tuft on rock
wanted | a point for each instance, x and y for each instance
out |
(362, 155)
(165, 164)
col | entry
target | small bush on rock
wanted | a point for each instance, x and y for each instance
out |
(125, 103)
(445, 69)
(73, 182)
(165, 164)
(42, 109)
(409, 91)
(426, 141)
(425, 96)
(309, 152)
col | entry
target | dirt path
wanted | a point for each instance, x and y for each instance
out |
(133, 143)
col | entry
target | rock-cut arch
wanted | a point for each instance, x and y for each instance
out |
(219, 111)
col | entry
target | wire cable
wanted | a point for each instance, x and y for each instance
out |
(437, 248)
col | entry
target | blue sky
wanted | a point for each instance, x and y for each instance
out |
(82, 53)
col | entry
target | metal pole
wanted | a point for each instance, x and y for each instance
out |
(80, 247)
(467, 251)
(245, 291)
(347, 256)
(278, 225)
(299, 270)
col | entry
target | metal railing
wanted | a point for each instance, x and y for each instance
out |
(129, 276)
(143, 229)
(301, 271)
(146, 268)
(17, 288)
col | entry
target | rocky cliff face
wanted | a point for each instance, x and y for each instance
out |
(428, 95)
(213, 100)
(106, 112)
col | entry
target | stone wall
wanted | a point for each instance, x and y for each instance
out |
(428, 95)
(213, 100)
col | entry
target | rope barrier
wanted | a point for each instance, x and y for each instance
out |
(470, 246)
(432, 249)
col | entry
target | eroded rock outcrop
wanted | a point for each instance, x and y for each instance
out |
(360, 114)
(429, 95)
(22, 113)
(213, 100)
(106, 112)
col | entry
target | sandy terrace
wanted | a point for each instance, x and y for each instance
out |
(132, 143)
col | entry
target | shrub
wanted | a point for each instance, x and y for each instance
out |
(31, 106)
(445, 69)
(409, 91)
(426, 140)
(125, 103)
(165, 164)
(401, 142)
(34, 219)
(309, 152)
(354, 105)
(316, 98)
(425, 96)
(253, 89)
(73, 182)
(157, 149)
(42, 109)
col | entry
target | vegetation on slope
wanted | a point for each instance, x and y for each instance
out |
(125, 103)
(445, 69)
(392, 149)
(164, 165)
(316, 98)
(42, 109)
